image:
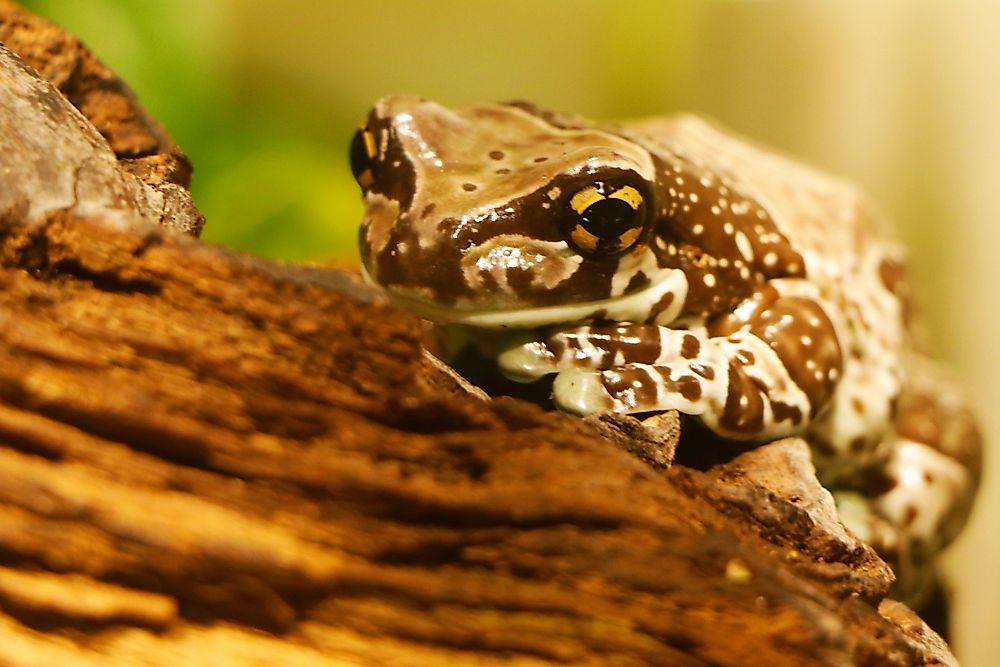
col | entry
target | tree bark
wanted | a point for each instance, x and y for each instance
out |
(102, 150)
(207, 458)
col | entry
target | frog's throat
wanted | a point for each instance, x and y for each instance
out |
(649, 304)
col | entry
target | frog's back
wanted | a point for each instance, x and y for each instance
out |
(894, 411)
(849, 258)
(826, 219)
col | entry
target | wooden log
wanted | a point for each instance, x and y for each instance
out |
(207, 458)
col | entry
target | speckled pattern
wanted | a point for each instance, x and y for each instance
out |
(662, 264)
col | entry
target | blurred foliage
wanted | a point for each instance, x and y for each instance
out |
(270, 175)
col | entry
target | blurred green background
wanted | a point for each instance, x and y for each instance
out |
(268, 146)
(900, 96)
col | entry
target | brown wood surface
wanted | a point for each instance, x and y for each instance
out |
(210, 459)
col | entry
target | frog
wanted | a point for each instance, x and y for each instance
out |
(666, 264)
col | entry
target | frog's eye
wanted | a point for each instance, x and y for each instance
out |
(604, 219)
(363, 154)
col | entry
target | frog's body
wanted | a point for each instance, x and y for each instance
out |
(671, 267)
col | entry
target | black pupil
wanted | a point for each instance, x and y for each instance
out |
(608, 218)
(359, 154)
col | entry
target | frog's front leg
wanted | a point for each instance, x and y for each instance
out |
(762, 371)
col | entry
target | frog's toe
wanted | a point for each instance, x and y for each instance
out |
(581, 392)
(527, 362)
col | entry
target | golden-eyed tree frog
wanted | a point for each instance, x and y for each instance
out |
(664, 264)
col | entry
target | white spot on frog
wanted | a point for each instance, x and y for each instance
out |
(380, 216)
(550, 262)
(744, 246)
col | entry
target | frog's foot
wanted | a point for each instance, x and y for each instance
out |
(856, 512)
(527, 362)
(737, 384)
(581, 392)
(635, 388)
(592, 347)
(907, 507)
(909, 561)
(926, 494)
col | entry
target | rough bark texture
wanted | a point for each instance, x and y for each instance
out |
(211, 459)
(136, 171)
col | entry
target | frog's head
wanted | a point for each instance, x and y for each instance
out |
(506, 215)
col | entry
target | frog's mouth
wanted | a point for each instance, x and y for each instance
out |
(665, 296)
